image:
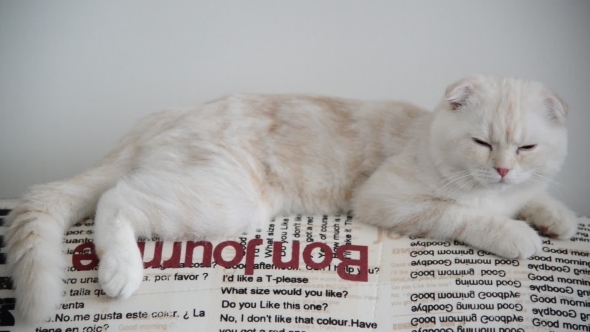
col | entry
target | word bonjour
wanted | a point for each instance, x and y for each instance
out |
(84, 257)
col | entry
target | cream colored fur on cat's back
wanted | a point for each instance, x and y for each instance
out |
(300, 154)
(232, 164)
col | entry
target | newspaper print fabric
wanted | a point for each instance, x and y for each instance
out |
(318, 273)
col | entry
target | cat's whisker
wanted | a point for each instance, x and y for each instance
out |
(456, 175)
(560, 188)
(472, 184)
(452, 181)
(456, 184)
(467, 185)
(452, 176)
(548, 180)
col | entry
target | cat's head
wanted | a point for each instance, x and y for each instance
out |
(499, 133)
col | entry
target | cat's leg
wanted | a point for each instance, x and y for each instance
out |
(115, 239)
(385, 200)
(439, 220)
(550, 216)
(206, 202)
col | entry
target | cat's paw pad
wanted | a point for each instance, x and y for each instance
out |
(120, 273)
(518, 241)
(555, 221)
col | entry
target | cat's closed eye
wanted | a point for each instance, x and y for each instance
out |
(527, 147)
(482, 143)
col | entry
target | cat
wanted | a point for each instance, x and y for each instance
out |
(467, 171)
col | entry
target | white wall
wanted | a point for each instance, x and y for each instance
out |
(75, 75)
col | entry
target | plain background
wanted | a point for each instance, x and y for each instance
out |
(75, 75)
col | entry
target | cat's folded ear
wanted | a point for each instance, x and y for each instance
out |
(557, 107)
(459, 93)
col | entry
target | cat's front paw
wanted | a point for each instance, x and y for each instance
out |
(517, 241)
(554, 220)
(120, 272)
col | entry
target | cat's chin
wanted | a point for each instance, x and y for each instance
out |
(500, 185)
(507, 184)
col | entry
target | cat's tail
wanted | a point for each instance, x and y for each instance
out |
(37, 224)
(36, 233)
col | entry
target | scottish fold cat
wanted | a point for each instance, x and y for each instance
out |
(476, 169)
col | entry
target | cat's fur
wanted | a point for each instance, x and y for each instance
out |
(232, 164)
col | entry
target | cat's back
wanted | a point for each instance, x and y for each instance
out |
(310, 128)
(317, 148)
(312, 124)
(286, 115)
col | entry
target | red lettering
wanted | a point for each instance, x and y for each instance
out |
(310, 262)
(174, 260)
(250, 252)
(190, 248)
(79, 256)
(84, 257)
(362, 263)
(155, 262)
(237, 258)
(276, 257)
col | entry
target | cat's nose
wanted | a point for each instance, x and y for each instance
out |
(502, 171)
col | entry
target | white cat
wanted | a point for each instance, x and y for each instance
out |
(465, 172)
